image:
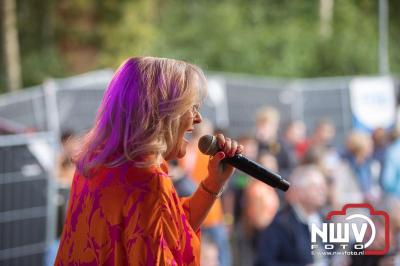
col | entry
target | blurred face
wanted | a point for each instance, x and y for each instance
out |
(296, 132)
(250, 148)
(326, 132)
(186, 126)
(379, 136)
(266, 130)
(71, 145)
(314, 194)
(262, 202)
(269, 161)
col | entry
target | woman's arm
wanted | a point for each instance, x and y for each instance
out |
(208, 191)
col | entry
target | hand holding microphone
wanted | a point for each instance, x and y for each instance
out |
(226, 148)
(210, 145)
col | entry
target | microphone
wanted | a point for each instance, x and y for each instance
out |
(208, 145)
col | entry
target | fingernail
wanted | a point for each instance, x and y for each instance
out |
(221, 155)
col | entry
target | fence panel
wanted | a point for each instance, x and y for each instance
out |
(27, 214)
(24, 109)
(247, 94)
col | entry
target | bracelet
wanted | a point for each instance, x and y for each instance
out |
(215, 195)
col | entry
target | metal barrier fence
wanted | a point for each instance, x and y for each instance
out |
(27, 210)
(25, 108)
(71, 104)
(306, 99)
(324, 98)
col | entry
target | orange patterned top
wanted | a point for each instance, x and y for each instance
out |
(127, 216)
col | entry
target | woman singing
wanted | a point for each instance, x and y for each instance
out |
(123, 207)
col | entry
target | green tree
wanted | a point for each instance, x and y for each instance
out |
(266, 37)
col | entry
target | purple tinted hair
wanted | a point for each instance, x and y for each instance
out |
(140, 110)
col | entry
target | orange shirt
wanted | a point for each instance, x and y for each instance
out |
(127, 216)
(198, 169)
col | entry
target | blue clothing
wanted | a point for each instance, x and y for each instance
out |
(286, 158)
(362, 172)
(219, 235)
(184, 186)
(391, 170)
(287, 241)
(379, 156)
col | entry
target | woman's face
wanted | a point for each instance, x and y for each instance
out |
(187, 122)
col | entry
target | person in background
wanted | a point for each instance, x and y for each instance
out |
(233, 198)
(66, 167)
(391, 170)
(196, 166)
(358, 154)
(65, 172)
(287, 240)
(392, 258)
(393, 208)
(323, 135)
(293, 135)
(316, 155)
(260, 204)
(301, 141)
(266, 129)
(209, 252)
(184, 185)
(380, 141)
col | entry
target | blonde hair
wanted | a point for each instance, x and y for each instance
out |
(267, 114)
(140, 112)
(359, 143)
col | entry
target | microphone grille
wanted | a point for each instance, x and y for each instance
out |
(208, 145)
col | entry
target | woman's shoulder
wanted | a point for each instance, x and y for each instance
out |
(150, 189)
(124, 179)
(148, 181)
(124, 187)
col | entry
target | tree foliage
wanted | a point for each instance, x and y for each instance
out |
(265, 37)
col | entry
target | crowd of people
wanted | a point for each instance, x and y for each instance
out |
(254, 224)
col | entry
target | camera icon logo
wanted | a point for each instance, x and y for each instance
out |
(358, 227)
